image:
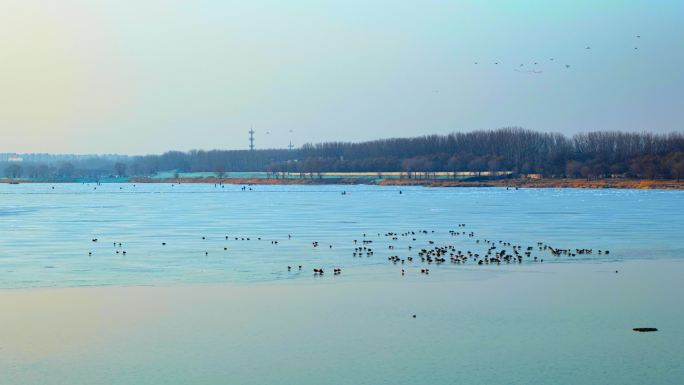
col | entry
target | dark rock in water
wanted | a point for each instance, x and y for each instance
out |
(643, 330)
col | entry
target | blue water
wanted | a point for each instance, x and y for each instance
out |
(46, 230)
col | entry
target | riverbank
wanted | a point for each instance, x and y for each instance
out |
(616, 183)
(551, 324)
(642, 184)
(606, 183)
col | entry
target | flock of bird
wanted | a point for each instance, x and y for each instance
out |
(420, 249)
(536, 65)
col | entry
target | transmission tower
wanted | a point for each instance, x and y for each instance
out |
(251, 138)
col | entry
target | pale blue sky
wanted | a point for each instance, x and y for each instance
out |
(145, 76)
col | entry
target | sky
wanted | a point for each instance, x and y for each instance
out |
(148, 76)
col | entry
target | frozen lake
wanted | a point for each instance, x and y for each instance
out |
(187, 233)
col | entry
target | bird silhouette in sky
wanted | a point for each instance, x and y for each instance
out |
(551, 59)
(529, 72)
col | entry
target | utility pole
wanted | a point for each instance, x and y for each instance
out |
(251, 138)
(290, 146)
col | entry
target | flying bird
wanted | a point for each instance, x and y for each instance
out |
(529, 72)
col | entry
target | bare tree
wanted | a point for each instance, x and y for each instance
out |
(13, 171)
(120, 168)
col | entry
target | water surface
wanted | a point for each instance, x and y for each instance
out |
(190, 312)
(47, 230)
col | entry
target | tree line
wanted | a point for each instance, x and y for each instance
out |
(586, 155)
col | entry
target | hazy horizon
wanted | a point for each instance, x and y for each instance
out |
(145, 77)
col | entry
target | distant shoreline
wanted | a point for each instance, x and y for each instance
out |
(639, 184)
(606, 183)
(615, 183)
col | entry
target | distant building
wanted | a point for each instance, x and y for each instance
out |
(15, 158)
